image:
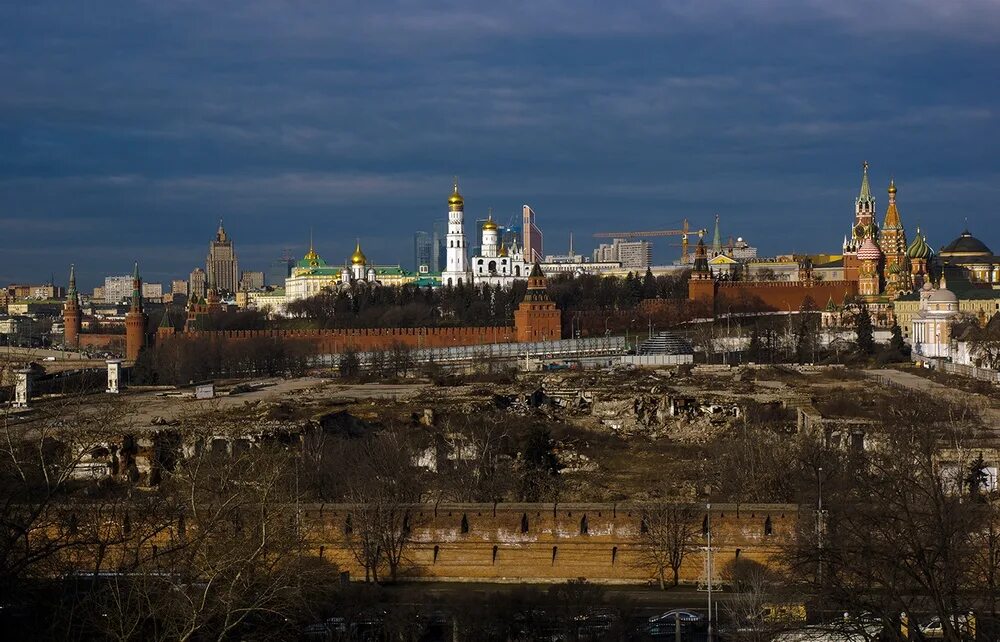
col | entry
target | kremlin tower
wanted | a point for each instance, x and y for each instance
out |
(864, 227)
(701, 284)
(72, 315)
(537, 318)
(166, 329)
(456, 269)
(135, 320)
(892, 241)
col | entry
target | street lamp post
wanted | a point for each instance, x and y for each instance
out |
(819, 526)
(708, 519)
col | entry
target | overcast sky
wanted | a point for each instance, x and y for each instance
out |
(128, 128)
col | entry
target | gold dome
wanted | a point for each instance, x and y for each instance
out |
(489, 225)
(455, 201)
(358, 258)
(892, 186)
(503, 249)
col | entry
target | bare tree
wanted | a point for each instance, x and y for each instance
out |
(384, 485)
(480, 467)
(667, 533)
(753, 586)
(41, 454)
(902, 537)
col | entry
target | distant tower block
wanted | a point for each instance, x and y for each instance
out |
(22, 387)
(114, 376)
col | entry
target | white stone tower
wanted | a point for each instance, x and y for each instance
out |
(456, 269)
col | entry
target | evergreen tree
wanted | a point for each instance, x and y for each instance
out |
(755, 350)
(649, 285)
(805, 338)
(350, 363)
(864, 332)
(896, 342)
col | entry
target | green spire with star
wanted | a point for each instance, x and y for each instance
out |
(865, 195)
(136, 289)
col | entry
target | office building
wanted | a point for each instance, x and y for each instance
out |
(532, 242)
(197, 284)
(252, 280)
(278, 271)
(635, 255)
(423, 250)
(221, 267)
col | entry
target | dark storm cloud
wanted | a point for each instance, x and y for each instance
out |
(127, 129)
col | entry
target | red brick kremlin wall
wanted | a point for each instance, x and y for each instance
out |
(107, 342)
(336, 340)
(554, 546)
(773, 295)
(515, 542)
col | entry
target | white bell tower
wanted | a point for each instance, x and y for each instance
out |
(457, 265)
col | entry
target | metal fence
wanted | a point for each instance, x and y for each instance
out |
(658, 359)
(982, 374)
(540, 350)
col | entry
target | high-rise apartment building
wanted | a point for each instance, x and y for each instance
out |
(631, 254)
(252, 280)
(117, 288)
(198, 284)
(423, 250)
(152, 291)
(221, 267)
(532, 241)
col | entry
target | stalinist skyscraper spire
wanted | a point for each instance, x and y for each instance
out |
(456, 270)
(221, 267)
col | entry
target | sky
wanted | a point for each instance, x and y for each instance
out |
(128, 128)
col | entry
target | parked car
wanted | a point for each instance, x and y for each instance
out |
(663, 626)
(934, 628)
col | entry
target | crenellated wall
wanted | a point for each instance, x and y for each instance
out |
(337, 340)
(554, 547)
(775, 295)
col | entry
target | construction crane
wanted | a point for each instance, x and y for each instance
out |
(683, 233)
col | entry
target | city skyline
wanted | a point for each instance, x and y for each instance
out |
(281, 122)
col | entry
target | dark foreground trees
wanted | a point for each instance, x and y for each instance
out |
(902, 532)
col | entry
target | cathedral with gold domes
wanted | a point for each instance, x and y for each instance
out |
(878, 256)
(311, 275)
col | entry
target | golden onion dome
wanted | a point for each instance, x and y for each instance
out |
(455, 201)
(503, 249)
(358, 258)
(489, 225)
(892, 186)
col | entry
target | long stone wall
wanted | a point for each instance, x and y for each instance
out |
(548, 543)
(778, 295)
(336, 340)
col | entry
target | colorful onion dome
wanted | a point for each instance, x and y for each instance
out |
(918, 248)
(869, 251)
